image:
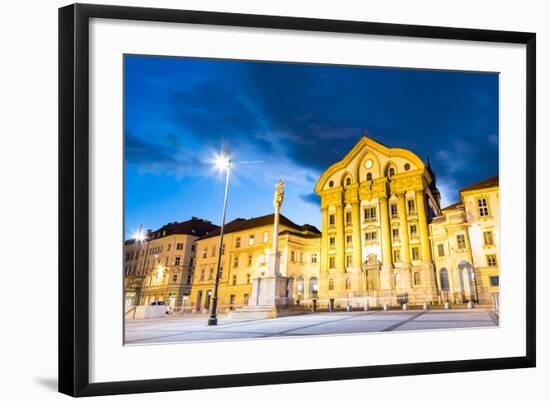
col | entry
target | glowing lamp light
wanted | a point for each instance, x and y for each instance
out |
(222, 161)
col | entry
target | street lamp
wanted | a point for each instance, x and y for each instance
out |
(222, 163)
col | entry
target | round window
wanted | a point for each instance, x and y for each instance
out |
(407, 166)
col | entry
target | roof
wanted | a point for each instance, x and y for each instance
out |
(195, 226)
(487, 183)
(302, 234)
(241, 224)
(452, 206)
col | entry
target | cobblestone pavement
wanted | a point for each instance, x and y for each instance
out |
(193, 328)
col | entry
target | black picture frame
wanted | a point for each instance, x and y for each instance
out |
(74, 198)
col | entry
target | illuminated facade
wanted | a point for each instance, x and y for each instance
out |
(161, 267)
(247, 243)
(376, 204)
(465, 240)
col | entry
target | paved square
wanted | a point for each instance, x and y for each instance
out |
(193, 328)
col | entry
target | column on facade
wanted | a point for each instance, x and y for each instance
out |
(325, 241)
(406, 273)
(386, 281)
(356, 222)
(340, 236)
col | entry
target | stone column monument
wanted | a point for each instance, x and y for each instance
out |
(270, 294)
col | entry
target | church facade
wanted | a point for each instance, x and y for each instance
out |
(376, 204)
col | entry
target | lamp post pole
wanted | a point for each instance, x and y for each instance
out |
(213, 319)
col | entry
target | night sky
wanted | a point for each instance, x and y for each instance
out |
(289, 121)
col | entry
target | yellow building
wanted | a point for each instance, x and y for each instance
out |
(376, 204)
(247, 243)
(160, 267)
(465, 242)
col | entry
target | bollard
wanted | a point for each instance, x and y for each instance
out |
(425, 306)
(405, 306)
(386, 307)
(348, 307)
(471, 305)
(366, 307)
(447, 305)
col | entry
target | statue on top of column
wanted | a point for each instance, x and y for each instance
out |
(279, 194)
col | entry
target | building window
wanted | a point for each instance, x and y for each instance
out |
(411, 206)
(292, 256)
(461, 241)
(394, 212)
(213, 253)
(491, 260)
(238, 242)
(349, 240)
(349, 260)
(169, 247)
(395, 234)
(202, 275)
(488, 238)
(391, 172)
(416, 278)
(369, 176)
(348, 181)
(251, 239)
(234, 281)
(248, 278)
(330, 184)
(415, 254)
(331, 219)
(236, 261)
(348, 283)
(396, 256)
(175, 278)
(331, 262)
(245, 299)
(193, 247)
(179, 246)
(330, 284)
(232, 299)
(414, 231)
(493, 280)
(313, 258)
(249, 260)
(396, 278)
(370, 236)
(369, 214)
(266, 237)
(177, 261)
(440, 250)
(348, 218)
(188, 279)
(204, 251)
(332, 242)
(482, 207)
(211, 274)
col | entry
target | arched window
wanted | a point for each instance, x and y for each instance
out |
(444, 278)
(331, 284)
(300, 286)
(417, 278)
(348, 283)
(391, 172)
(348, 181)
(331, 184)
(313, 287)
(369, 176)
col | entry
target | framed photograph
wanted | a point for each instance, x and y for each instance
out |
(251, 199)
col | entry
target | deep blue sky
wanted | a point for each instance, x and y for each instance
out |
(291, 121)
